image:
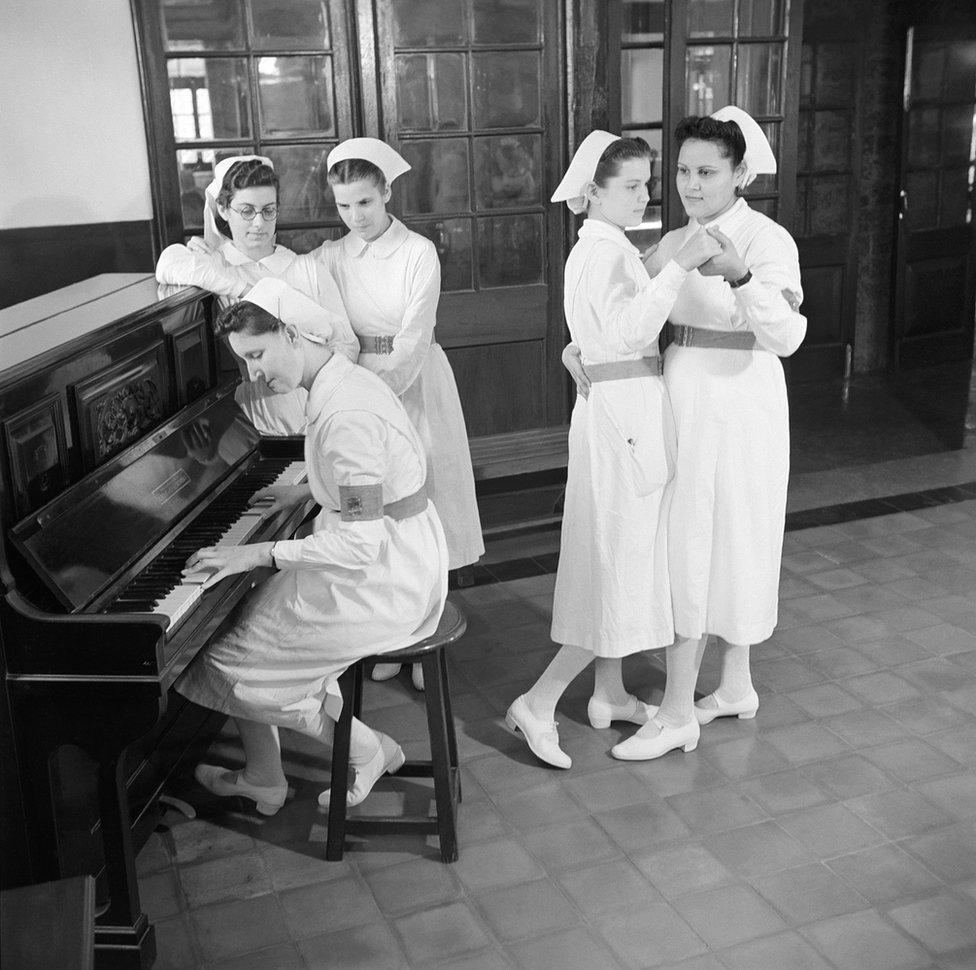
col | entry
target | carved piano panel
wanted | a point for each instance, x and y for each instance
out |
(38, 454)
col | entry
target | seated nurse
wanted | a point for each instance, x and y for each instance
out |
(370, 577)
(239, 247)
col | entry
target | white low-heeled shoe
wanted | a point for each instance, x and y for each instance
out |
(639, 748)
(601, 714)
(388, 760)
(541, 736)
(742, 709)
(226, 783)
(417, 676)
(384, 671)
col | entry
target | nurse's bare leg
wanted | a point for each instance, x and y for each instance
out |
(735, 695)
(674, 725)
(533, 713)
(262, 778)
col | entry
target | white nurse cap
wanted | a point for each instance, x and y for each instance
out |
(759, 158)
(211, 234)
(390, 162)
(291, 308)
(572, 189)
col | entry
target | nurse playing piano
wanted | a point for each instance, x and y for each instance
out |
(371, 577)
(239, 219)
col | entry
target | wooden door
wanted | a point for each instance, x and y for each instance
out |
(470, 95)
(828, 163)
(936, 247)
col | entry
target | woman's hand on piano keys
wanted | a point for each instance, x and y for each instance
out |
(217, 562)
(280, 497)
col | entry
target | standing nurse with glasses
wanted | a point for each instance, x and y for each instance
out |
(238, 249)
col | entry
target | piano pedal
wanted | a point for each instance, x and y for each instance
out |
(185, 808)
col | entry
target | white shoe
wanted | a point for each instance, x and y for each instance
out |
(417, 675)
(712, 706)
(635, 711)
(640, 748)
(541, 736)
(225, 783)
(388, 760)
(385, 671)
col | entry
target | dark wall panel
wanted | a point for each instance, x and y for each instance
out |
(37, 260)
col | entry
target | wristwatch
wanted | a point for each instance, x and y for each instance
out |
(742, 280)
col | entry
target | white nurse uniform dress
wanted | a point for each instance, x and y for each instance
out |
(353, 587)
(728, 509)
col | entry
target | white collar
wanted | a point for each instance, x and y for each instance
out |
(385, 245)
(598, 229)
(276, 261)
(728, 219)
(332, 373)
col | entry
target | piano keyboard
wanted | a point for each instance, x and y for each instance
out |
(161, 588)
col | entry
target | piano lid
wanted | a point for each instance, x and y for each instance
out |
(88, 535)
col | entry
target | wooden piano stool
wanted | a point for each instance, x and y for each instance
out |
(443, 763)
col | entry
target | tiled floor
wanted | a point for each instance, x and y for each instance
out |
(837, 829)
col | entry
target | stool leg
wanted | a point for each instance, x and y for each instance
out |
(336, 832)
(451, 729)
(440, 755)
(357, 685)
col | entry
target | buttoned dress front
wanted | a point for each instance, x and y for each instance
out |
(348, 590)
(729, 505)
(612, 590)
(390, 288)
(227, 273)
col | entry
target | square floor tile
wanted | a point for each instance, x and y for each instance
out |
(527, 910)
(729, 915)
(809, 893)
(491, 959)
(687, 867)
(958, 743)
(745, 757)
(784, 791)
(784, 674)
(579, 949)
(803, 743)
(830, 830)
(160, 895)
(900, 813)
(433, 934)
(370, 947)
(823, 700)
(881, 687)
(884, 873)
(675, 776)
(231, 877)
(940, 923)
(950, 852)
(911, 760)
(228, 929)
(608, 887)
(635, 827)
(785, 951)
(490, 865)
(755, 850)
(421, 882)
(651, 937)
(925, 714)
(955, 794)
(715, 809)
(943, 638)
(570, 844)
(600, 791)
(849, 776)
(865, 727)
(174, 945)
(284, 956)
(866, 942)
(328, 906)
(539, 805)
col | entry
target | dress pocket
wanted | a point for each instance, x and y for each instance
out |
(633, 417)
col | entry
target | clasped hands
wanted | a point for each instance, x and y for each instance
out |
(712, 253)
(214, 563)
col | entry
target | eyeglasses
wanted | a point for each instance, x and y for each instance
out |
(247, 212)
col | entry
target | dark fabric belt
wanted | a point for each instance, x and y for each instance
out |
(622, 370)
(376, 344)
(404, 508)
(724, 339)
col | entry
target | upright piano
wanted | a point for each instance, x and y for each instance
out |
(121, 451)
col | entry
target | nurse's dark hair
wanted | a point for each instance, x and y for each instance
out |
(249, 174)
(615, 154)
(726, 134)
(356, 170)
(245, 317)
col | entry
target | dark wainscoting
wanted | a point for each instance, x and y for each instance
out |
(37, 260)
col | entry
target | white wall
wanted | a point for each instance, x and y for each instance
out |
(72, 141)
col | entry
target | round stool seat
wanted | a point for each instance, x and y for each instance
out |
(450, 628)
